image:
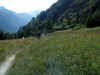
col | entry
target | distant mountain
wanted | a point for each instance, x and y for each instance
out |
(11, 21)
(34, 13)
(25, 16)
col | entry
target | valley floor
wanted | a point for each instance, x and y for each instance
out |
(59, 53)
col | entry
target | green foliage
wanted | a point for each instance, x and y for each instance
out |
(93, 20)
(96, 15)
(49, 26)
(77, 17)
(1, 35)
(88, 20)
(69, 21)
(64, 23)
(55, 11)
(6, 35)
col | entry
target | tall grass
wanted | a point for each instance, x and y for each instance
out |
(61, 53)
(8, 47)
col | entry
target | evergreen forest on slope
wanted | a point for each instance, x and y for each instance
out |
(62, 15)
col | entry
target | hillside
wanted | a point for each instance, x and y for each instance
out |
(59, 53)
(65, 14)
(11, 21)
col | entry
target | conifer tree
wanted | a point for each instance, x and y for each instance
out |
(77, 17)
(49, 26)
(88, 20)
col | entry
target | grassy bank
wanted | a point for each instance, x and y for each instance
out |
(61, 53)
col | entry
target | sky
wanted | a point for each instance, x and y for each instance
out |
(20, 6)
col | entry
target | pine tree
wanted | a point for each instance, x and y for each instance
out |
(88, 20)
(69, 21)
(49, 26)
(77, 17)
(1, 35)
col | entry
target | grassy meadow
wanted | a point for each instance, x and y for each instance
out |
(59, 53)
(8, 47)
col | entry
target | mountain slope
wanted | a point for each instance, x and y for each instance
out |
(65, 14)
(11, 21)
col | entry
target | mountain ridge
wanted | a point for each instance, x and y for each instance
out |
(11, 21)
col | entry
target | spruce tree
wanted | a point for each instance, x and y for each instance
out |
(49, 26)
(77, 17)
(88, 20)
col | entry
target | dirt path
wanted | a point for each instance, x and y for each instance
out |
(6, 64)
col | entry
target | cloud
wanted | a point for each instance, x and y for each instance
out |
(26, 5)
